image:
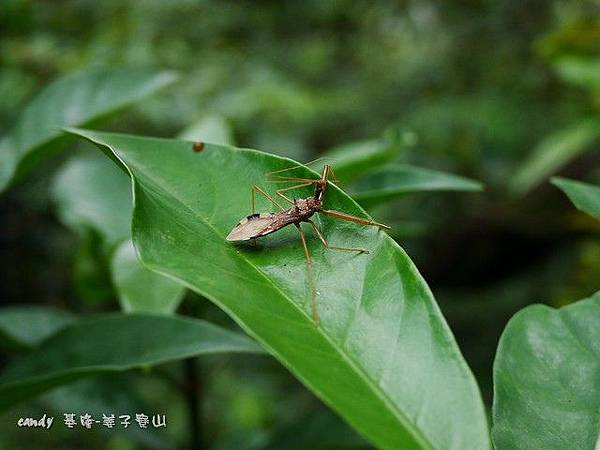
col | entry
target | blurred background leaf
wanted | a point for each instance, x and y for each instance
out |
(585, 197)
(25, 326)
(92, 194)
(140, 289)
(211, 128)
(554, 151)
(105, 394)
(319, 431)
(75, 99)
(113, 343)
(581, 71)
(400, 179)
(93, 198)
(352, 160)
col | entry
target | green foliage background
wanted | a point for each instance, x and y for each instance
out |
(503, 92)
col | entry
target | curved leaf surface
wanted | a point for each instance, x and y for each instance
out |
(383, 356)
(547, 378)
(400, 179)
(586, 197)
(113, 343)
(73, 100)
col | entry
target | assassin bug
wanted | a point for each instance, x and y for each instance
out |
(301, 210)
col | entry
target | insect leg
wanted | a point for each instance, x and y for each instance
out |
(321, 158)
(311, 276)
(281, 179)
(281, 191)
(334, 179)
(297, 186)
(349, 218)
(283, 170)
(256, 189)
(326, 244)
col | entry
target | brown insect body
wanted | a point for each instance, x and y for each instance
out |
(301, 210)
(258, 225)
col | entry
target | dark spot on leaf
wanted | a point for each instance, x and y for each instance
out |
(198, 147)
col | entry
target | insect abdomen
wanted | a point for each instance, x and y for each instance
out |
(257, 225)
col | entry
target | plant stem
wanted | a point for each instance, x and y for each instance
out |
(193, 395)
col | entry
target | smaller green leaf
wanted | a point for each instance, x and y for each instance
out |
(75, 99)
(586, 197)
(91, 192)
(212, 128)
(393, 181)
(140, 289)
(27, 326)
(352, 160)
(547, 379)
(555, 151)
(113, 343)
(583, 72)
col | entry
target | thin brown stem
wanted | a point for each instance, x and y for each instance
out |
(193, 386)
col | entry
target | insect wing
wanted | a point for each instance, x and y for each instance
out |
(252, 227)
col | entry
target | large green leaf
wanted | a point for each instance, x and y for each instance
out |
(585, 197)
(554, 151)
(27, 326)
(75, 99)
(113, 343)
(396, 180)
(547, 379)
(383, 357)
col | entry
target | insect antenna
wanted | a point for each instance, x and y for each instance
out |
(321, 158)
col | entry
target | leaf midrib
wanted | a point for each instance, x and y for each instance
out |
(416, 434)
